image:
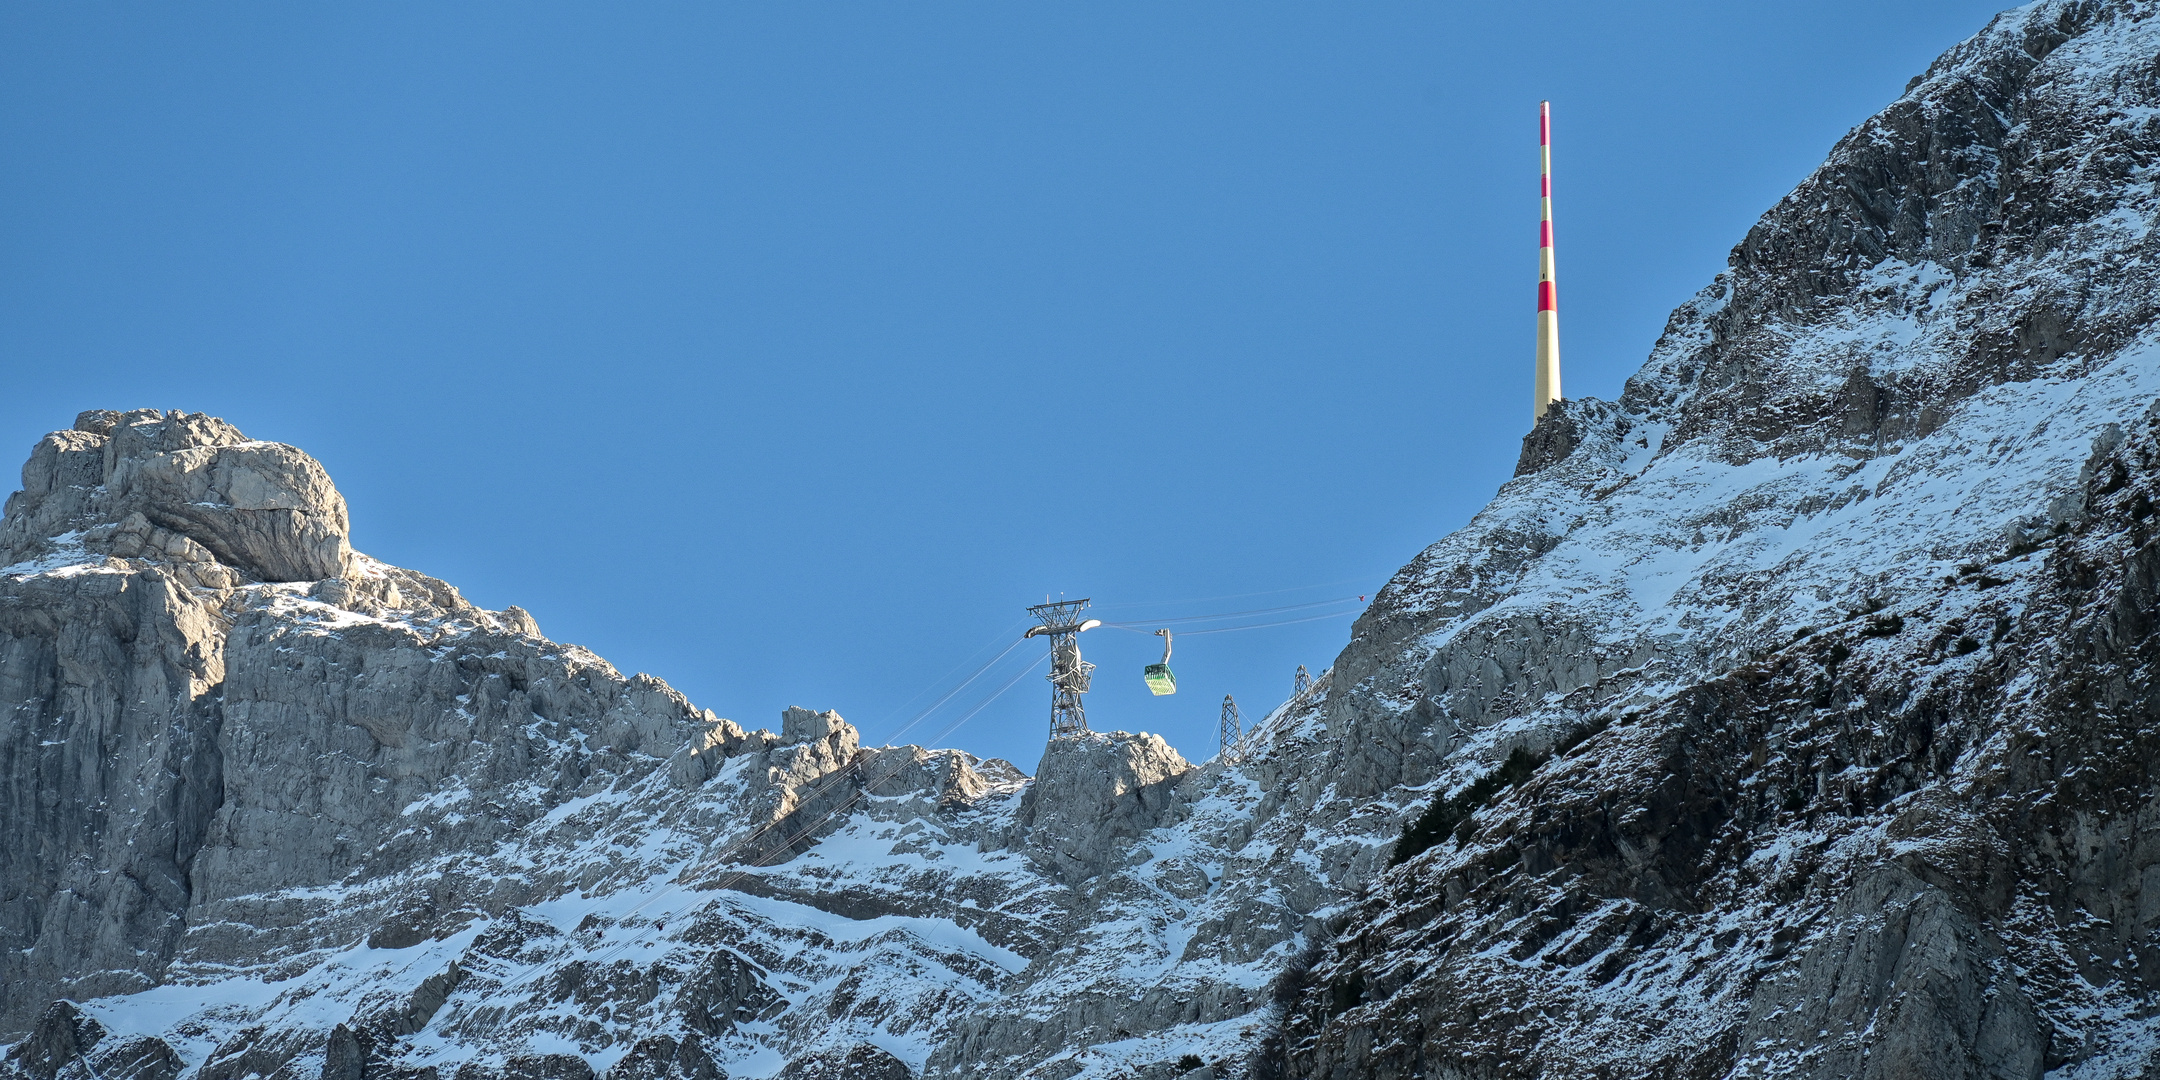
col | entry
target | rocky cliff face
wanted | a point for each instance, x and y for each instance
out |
(1789, 716)
(218, 706)
(1851, 594)
(240, 753)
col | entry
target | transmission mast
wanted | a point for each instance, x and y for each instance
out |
(1061, 623)
(1232, 730)
(1546, 387)
(1301, 682)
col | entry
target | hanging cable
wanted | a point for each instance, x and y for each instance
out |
(1265, 625)
(1003, 635)
(1234, 614)
(1240, 596)
(954, 692)
(1136, 628)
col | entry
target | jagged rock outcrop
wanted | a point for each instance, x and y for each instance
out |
(183, 485)
(1558, 433)
(1093, 797)
(62, 1036)
(664, 1057)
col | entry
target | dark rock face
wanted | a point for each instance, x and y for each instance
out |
(547, 1067)
(728, 991)
(860, 1062)
(67, 1043)
(1934, 903)
(62, 1037)
(140, 1058)
(663, 1057)
(1565, 426)
(1553, 439)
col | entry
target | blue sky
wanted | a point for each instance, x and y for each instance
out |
(787, 351)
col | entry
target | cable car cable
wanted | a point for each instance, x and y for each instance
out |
(1237, 596)
(1265, 625)
(1248, 626)
(954, 692)
(1232, 614)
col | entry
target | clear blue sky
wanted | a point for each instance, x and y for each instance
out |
(786, 351)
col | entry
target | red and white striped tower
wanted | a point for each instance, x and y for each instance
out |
(1548, 315)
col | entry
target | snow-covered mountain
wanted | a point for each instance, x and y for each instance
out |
(1792, 715)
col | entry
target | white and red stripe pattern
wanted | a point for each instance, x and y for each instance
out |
(1548, 313)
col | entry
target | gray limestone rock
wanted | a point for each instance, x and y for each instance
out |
(1094, 794)
(63, 1036)
(265, 511)
(113, 774)
(183, 741)
(1900, 981)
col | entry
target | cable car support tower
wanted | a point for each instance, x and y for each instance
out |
(1060, 622)
(1230, 734)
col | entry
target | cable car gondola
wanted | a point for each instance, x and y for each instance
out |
(1159, 679)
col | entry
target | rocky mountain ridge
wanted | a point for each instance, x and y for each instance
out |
(1851, 585)
(1829, 644)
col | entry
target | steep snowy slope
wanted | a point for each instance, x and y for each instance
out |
(1858, 572)
(1839, 622)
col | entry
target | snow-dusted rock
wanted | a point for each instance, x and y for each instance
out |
(265, 510)
(1094, 795)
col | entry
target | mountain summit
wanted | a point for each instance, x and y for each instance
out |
(1793, 715)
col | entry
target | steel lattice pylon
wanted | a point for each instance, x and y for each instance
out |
(1060, 621)
(1232, 730)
